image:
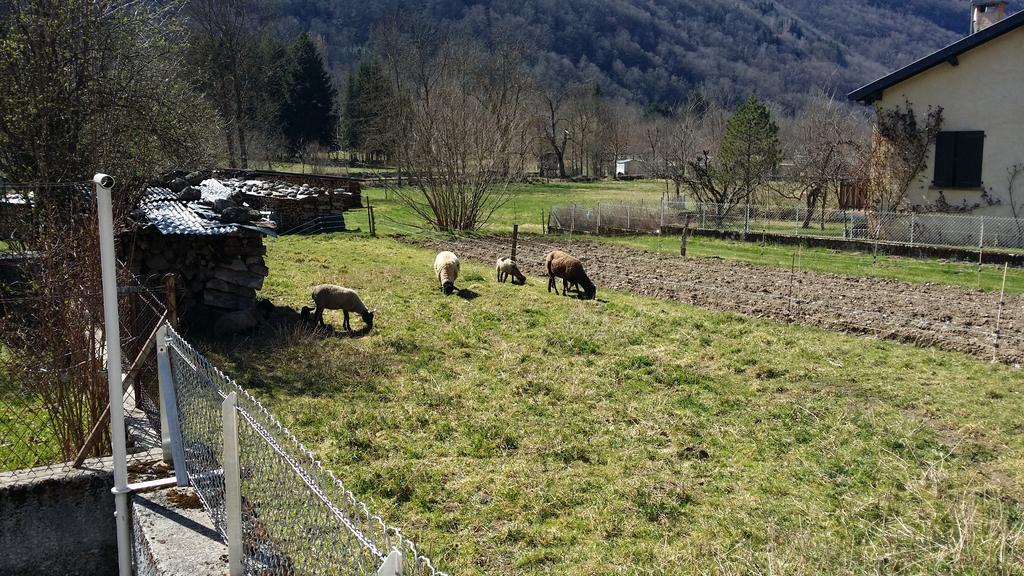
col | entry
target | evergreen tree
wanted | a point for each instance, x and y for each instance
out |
(365, 118)
(750, 147)
(309, 114)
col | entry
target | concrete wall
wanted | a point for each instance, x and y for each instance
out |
(982, 92)
(58, 522)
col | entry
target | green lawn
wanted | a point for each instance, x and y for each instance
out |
(26, 437)
(525, 202)
(528, 200)
(517, 432)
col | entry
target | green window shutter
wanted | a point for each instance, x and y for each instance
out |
(970, 148)
(945, 153)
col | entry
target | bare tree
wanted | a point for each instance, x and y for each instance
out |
(708, 178)
(241, 69)
(682, 141)
(822, 143)
(553, 122)
(615, 130)
(465, 129)
(89, 85)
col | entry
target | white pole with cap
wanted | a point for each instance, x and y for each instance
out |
(111, 329)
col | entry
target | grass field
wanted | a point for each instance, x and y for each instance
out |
(527, 201)
(509, 431)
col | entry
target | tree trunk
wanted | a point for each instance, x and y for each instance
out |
(560, 154)
(812, 202)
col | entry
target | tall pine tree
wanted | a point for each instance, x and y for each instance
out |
(367, 125)
(309, 114)
(750, 147)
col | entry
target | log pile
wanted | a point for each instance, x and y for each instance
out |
(220, 273)
(298, 206)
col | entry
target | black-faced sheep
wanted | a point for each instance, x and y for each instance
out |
(506, 267)
(570, 270)
(446, 268)
(332, 297)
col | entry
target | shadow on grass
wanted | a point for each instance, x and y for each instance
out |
(467, 294)
(287, 354)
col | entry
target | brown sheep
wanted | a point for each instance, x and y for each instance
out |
(570, 270)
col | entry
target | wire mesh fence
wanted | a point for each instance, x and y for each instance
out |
(46, 421)
(297, 517)
(933, 229)
(53, 389)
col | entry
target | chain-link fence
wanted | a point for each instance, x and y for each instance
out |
(46, 419)
(932, 229)
(296, 516)
(53, 388)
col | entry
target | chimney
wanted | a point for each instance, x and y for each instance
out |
(985, 13)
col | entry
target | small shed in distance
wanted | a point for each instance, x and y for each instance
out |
(630, 168)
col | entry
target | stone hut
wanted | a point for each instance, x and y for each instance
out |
(212, 240)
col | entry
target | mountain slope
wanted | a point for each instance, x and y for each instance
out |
(656, 51)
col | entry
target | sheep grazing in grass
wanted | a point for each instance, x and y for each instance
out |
(332, 297)
(446, 268)
(506, 267)
(570, 270)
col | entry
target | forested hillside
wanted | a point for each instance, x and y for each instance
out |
(656, 51)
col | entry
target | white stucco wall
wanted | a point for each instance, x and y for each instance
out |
(985, 92)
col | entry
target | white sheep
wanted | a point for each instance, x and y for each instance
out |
(506, 267)
(332, 297)
(446, 268)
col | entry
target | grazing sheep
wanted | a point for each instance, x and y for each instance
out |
(506, 267)
(331, 297)
(570, 270)
(446, 268)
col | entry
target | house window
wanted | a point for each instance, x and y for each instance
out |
(958, 159)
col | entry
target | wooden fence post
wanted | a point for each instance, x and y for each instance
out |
(686, 233)
(171, 299)
(515, 240)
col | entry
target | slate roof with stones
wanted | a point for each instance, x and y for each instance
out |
(160, 208)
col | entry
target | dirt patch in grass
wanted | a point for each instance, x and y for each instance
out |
(946, 317)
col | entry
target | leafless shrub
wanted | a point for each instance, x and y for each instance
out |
(53, 323)
(463, 131)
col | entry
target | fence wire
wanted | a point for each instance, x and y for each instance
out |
(929, 229)
(297, 517)
(45, 418)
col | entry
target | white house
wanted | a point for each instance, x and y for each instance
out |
(979, 83)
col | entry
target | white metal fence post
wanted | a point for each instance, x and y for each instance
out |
(111, 329)
(629, 225)
(981, 246)
(170, 425)
(392, 565)
(232, 484)
(599, 218)
(913, 221)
